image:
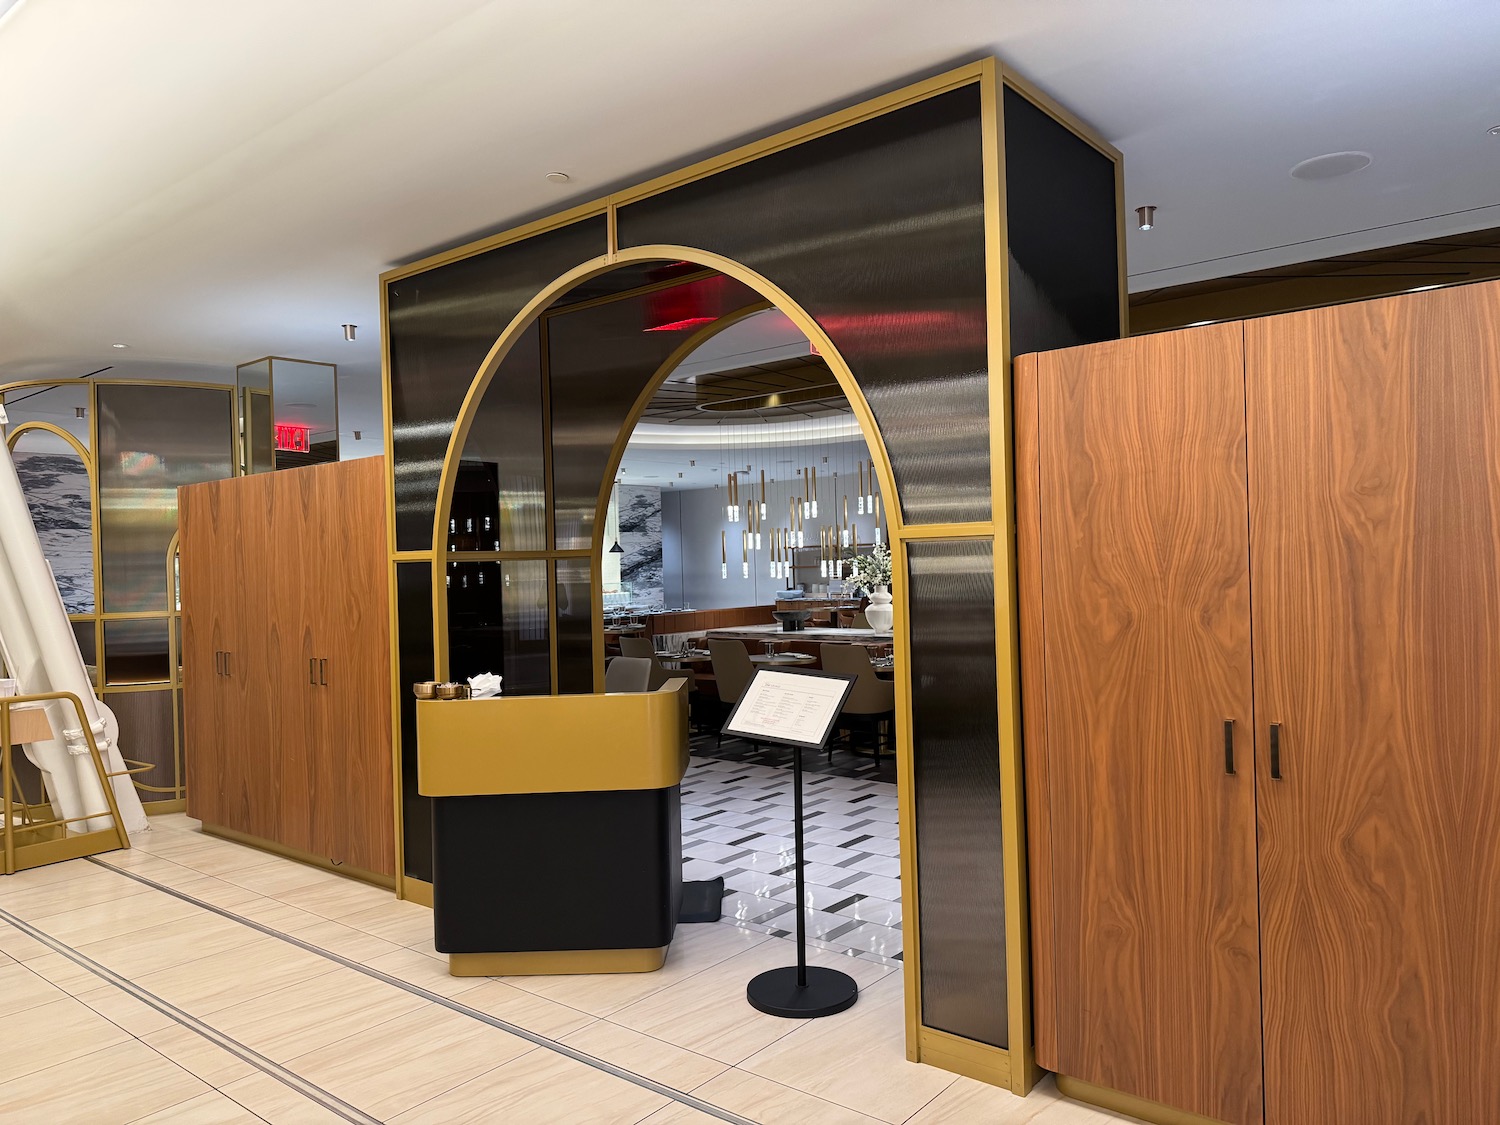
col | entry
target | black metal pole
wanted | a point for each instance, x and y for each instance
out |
(801, 893)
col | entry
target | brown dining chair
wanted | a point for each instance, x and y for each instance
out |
(626, 674)
(872, 701)
(641, 648)
(732, 671)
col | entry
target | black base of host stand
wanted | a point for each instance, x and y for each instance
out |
(801, 991)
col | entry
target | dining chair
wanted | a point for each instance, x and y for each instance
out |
(625, 673)
(872, 701)
(732, 672)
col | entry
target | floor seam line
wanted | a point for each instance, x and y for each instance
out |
(272, 1069)
(536, 1038)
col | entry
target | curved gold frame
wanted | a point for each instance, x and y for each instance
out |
(1014, 1067)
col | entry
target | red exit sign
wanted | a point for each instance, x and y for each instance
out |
(294, 439)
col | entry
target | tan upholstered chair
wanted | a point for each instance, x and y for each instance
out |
(871, 703)
(641, 648)
(732, 672)
(626, 674)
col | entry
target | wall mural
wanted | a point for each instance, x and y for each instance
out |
(640, 535)
(56, 486)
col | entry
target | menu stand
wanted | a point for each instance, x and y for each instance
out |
(796, 708)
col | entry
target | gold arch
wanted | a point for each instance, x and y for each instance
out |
(48, 427)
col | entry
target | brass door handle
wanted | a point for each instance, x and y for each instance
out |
(312, 675)
(323, 672)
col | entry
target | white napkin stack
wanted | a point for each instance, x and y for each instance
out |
(486, 685)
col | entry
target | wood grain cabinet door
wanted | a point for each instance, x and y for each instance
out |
(203, 628)
(1146, 593)
(1374, 438)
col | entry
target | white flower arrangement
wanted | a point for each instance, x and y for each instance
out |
(873, 569)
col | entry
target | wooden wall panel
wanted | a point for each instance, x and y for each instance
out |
(297, 554)
(1375, 472)
(1145, 573)
(1034, 711)
(198, 516)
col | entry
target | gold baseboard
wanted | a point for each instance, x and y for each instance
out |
(963, 1056)
(418, 891)
(163, 808)
(385, 881)
(560, 962)
(1129, 1104)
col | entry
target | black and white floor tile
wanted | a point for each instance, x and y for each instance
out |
(737, 822)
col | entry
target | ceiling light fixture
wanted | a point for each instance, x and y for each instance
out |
(557, 177)
(119, 345)
(358, 434)
(1145, 217)
(1331, 164)
(1494, 130)
(348, 330)
(80, 412)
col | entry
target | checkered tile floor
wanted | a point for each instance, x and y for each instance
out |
(737, 822)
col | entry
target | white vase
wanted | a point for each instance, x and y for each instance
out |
(880, 613)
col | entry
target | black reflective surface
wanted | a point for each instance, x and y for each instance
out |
(600, 359)
(960, 880)
(1060, 217)
(442, 324)
(497, 622)
(575, 628)
(414, 664)
(877, 231)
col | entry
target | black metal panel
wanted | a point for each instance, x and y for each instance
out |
(414, 665)
(575, 627)
(1061, 231)
(955, 728)
(600, 359)
(544, 871)
(498, 622)
(877, 230)
(442, 324)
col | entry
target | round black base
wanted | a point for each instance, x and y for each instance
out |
(777, 993)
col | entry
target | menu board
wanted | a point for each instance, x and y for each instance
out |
(792, 707)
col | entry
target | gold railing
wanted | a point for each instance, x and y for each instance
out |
(51, 837)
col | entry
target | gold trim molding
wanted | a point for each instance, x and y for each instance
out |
(558, 962)
(1129, 1104)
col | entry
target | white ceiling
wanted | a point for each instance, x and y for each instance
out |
(212, 182)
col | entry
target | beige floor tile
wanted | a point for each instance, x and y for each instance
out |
(540, 1088)
(339, 898)
(760, 1099)
(695, 949)
(19, 946)
(67, 974)
(405, 1061)
(675, 1113)
(21, 989)
(214, 891)
(115, 917)
(278, 915)
(124, 1083)
(405, 923)
(424, 972)
(294, 1021)
(277, 1103)
(172, 943)
(57, 1033)
(85, 887)
(968, 1101)
(211, 1108)
(856, 1058)
(643, 1055)
(708, 1013)
(345, 940)
(277, 877)
(260, 965)
(199, 1055)
(125, 1011)
(525, 1009)
(45, 875)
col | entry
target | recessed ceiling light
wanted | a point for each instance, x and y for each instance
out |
(298, 405)
(1331, 164)
(557, 177)
(348, 330)
(1494, 130)
(119, 345)
(1145, 217)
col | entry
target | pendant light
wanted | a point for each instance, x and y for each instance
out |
(616, 549)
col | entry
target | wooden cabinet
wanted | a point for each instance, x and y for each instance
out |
(286, 661)
(1292, 523)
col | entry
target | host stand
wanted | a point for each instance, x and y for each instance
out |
(796, 708)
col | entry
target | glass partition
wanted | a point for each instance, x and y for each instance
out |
(256, 410)
(305, 404)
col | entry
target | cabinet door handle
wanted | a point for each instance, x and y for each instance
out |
(226, 662)
(218, 668)
(1276, 751)
(1229, 746)
(323, 672)
(312, 675)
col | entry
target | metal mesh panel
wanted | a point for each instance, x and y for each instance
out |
(955, 727)
(877, 230)
(442, 323)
